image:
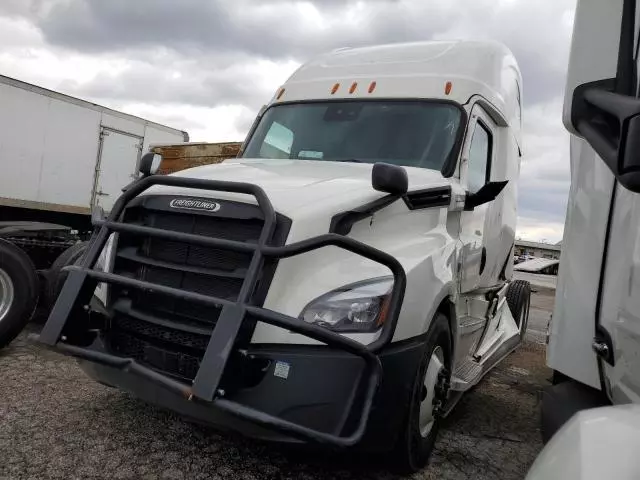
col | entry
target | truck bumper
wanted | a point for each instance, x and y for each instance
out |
(320, 383)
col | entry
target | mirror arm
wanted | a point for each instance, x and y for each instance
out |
(610, 123)
(486, 194)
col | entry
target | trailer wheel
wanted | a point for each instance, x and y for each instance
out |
(519, 301)
(18, 291)
(56, 276)
(423, 416)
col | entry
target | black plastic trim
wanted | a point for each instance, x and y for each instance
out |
(599, 331)
(280, 235)
(603, 336)
(419, 199)
(580, 110)
(626, 74)
(487, 128)
(129, 253)
(342, 222)
(483, 259)
(125, 308)
(428, 198)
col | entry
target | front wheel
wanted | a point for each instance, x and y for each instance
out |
(429, 390)
(56, 276)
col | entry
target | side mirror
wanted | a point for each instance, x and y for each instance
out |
(389, 179)
(150, 163)
(486, 194)
(610, 122)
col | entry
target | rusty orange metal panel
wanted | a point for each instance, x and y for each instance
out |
(182, 156)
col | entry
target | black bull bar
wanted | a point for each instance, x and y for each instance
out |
(82, 281)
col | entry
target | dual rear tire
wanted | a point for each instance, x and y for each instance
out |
(19, 289)
(20, 286)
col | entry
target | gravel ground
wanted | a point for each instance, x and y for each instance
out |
(56, 423)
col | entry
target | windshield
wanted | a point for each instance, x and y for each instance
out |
(409, 133)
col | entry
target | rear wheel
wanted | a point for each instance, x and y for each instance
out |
(519, 301)
(422, 422)
(18, 291)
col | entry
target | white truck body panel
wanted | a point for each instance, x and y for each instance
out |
(594, 336)
(310, 193)
(573, 323)
(416, 70)
(595, 444)
(50, 147)
(598, 278)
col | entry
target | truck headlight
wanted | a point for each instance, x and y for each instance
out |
(359, 307)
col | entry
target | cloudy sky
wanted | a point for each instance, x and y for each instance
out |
(206, 66)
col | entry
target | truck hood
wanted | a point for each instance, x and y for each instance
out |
(295, 185)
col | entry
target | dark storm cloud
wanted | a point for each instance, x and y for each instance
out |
(272, 29)
(178, 82)
(279, 29)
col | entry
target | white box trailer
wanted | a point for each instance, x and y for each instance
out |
(59, 157)
(65, 154)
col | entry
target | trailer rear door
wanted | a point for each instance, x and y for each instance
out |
(117, 163)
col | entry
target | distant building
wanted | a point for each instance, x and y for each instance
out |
(537, 249)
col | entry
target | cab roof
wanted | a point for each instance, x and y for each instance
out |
(418, 70)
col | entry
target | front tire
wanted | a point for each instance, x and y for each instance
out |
(56, 276)
(18, 291)
(422, 419)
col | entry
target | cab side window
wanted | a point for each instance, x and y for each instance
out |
(479, 166)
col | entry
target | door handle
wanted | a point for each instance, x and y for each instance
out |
(601, 348)
(602, 345)
(102, 194)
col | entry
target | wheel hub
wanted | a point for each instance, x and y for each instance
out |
(6, 294)
(431, 392)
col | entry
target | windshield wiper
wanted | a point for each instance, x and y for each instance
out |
(349, 160)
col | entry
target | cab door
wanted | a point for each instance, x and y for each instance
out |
(475, 171)
(619, 322)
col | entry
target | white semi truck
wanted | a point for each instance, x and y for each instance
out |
(344, 281)
(595, 330)
(59, 157)
(594, 338)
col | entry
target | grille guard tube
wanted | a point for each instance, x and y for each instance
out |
(82, 281)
